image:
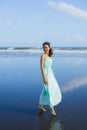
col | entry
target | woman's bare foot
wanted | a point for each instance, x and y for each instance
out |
(53, 112)
(42, 108)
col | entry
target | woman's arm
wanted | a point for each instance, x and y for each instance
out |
(42, 68)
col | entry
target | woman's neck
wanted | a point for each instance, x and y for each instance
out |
(47, 53)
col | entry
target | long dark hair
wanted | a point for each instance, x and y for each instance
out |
(51, 50)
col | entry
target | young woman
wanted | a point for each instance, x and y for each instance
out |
(51, 94)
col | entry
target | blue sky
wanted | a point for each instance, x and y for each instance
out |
(29, 23)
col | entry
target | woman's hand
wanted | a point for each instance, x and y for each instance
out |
(45, 80)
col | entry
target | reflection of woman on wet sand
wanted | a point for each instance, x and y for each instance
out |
(49, 123)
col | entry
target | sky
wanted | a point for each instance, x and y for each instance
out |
(29, 23)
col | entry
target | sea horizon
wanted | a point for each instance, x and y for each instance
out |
(36, 47)
(36, 51)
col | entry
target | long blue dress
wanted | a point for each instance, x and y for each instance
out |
(51, 94)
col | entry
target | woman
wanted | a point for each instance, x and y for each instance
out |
(51, 94)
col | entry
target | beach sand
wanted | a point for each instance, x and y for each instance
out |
(20, 88)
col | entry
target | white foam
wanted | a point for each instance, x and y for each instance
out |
(10, 48)
(41, 51)
(70, 51)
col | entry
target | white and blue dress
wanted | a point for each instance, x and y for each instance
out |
(51, 94)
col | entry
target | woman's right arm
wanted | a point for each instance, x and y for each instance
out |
(42, 68)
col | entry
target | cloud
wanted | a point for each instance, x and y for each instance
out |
(74, 39)
(69, 9)
(74, 84)
(77, 38)
(19, 23)
(8, 23)
(6, 39)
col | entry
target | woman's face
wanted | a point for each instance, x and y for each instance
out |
(46, 48)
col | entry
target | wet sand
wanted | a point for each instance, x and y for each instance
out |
(20, 88)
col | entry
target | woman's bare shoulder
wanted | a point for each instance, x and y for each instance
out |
(43, 56)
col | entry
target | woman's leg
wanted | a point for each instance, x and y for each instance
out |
(52, 111)
(42, 108)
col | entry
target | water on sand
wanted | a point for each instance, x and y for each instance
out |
(21, 85)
